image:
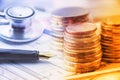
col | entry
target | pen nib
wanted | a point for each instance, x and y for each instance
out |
(46, 54)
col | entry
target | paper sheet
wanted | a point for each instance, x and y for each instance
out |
(42, 70)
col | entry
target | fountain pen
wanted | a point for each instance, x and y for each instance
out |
(21, 55)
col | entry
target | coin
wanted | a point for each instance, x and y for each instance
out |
(82, 47)
(111, 60)
(84, 67)
(70, 12)
(110, 39)
(82, 54)
(109, 55)
(81, 70)
(81, 29)
(59, 20)
(83, 59)
(112, 20)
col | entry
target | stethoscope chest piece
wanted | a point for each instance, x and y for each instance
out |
(22, 26)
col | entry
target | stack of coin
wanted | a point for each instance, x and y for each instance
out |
(110, 39)
(60, 19)
(82, 48)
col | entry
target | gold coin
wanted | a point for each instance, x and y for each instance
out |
(81, 70)
(69, 12)
(57, 35)
(79, 36)
(81, 29)
(111, 60)
(83, 65)
(83, 46)
(112, 20)
(83, 51)
(84, 59)
(111, 55)
(81, 54)
(57, 39)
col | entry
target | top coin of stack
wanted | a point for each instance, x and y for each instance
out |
(110, 39)
(82, 47)
(63, 17)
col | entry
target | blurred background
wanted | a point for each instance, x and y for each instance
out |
(52, 4)
(99, 8)
(40, 4)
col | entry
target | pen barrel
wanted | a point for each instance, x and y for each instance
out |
(19, 55)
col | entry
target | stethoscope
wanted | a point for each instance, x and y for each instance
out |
(18, 25)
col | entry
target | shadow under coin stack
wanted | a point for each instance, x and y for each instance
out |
(82, 48)
(110, 39)
(60, 19)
